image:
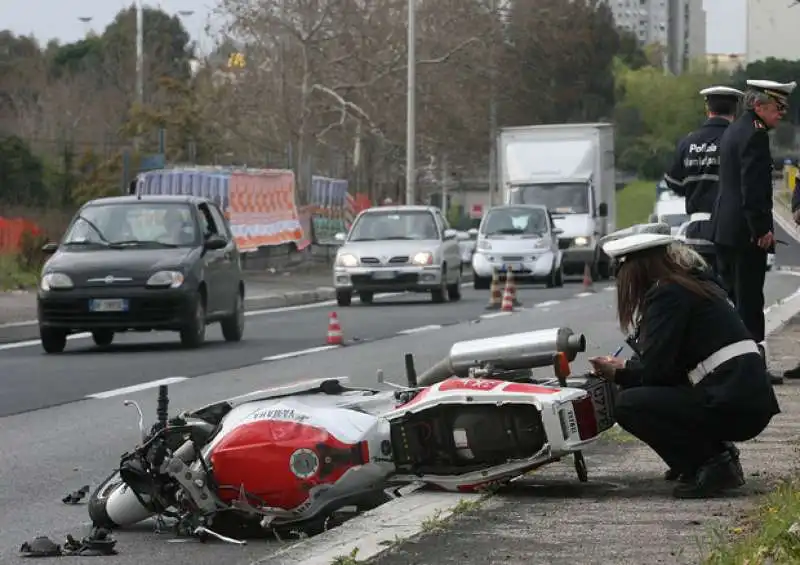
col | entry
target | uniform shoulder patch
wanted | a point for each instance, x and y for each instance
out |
(758, 124)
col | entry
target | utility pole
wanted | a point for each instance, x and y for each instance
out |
(411, 148)
(139, 63)
(493, 109)
(445, 179)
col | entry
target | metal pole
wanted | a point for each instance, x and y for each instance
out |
(493, 197)
(411, 149)
(445, 179)
(139, 53)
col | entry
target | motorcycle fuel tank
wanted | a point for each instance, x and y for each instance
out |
(279, 451)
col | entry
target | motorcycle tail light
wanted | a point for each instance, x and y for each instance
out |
(561, 365)
(587, 419)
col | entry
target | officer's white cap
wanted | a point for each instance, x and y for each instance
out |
(620, 249)
(777, 90)
(655, 227)
(721, 91)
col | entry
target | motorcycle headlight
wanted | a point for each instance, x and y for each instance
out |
(423, 258)
(171, 279)
(347, 260)
(56, 281)
(581, 241)
(485, 245)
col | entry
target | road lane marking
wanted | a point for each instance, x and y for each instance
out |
(584, 294)
(546, 304)
(136, 388)
(420, 329)
(291, 354)
(495, 315)
(33, 342)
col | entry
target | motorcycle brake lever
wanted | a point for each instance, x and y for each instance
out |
(142, 429)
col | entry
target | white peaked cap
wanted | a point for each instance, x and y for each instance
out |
(721, 91)
(779, 90)
(620, 248)
(654, 227)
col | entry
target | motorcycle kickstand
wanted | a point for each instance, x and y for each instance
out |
(199, 530)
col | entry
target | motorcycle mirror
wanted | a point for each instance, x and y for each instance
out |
(381, 380)
(142, 429)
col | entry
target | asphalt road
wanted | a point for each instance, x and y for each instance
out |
(56, 449)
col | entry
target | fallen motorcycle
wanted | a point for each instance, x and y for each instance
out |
(287, 459)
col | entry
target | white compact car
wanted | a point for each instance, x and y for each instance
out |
(521, 238)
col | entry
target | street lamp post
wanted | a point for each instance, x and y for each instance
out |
(139, 53)
(411, 165)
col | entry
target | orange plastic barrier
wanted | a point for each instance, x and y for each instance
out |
(11, 232)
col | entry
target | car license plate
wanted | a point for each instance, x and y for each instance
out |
(516, 267)
(109, 305)
(383, 275)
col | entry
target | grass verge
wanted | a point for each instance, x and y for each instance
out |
(768, 534)
(13, 276)
(635, 203)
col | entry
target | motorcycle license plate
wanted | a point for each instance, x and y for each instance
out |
(108, 305)
(383, 275)
(603, 399)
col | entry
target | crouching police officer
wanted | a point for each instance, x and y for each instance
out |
(699, 383)
(695, 171)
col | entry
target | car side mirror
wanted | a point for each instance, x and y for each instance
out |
(49, 248)
(215, 242)
(339, 236)
(602, 210)
(652, 219)
(462, 236)
(473, 232)
(557, 231)
(450, 234)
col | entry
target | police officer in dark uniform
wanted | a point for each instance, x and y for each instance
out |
(741, 220)
(695, 171)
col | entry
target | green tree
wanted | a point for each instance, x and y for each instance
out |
(21, 173)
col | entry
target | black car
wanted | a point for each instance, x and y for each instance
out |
(142, 263)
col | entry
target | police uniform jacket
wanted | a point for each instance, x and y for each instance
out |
(694, 173)
(680, 329)
(743, 210)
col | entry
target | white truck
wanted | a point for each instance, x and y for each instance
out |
(570, 169)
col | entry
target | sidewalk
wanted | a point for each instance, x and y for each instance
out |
(625, 514)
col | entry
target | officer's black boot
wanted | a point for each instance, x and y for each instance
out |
(716, 475)
(792, 373)
(734, 453)
(678, 475)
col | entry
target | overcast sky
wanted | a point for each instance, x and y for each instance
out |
(47, 19)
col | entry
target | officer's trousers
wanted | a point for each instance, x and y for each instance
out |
(744, 271)
(676, 423)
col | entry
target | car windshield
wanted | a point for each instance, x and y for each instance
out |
(404, 224)
(559, 198)
(516, 221)
(674, 220)
(133, 225)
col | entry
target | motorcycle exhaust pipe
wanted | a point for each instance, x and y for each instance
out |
(525, 350)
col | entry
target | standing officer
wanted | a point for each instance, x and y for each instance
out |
(741, 221)
(695, 171)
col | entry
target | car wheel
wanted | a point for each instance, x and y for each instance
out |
(480, 283)
(344, 297)
(103, 338)
(560, 276)
(439, 295)
(454, 290)
(366, 297)
(193, 333)
(233, 325)
(53, 341)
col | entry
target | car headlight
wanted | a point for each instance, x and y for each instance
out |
(540, 244)
(171, 279)
(56, 281)
(485, 245)
(581, 241)
(423, 258)
(346, 260)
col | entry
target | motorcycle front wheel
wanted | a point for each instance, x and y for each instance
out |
(114, 505)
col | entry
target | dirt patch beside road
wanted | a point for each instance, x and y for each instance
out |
(625, 513)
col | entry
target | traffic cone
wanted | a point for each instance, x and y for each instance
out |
(495, 293)
(334, 330)
(587, 277)
(509, 294)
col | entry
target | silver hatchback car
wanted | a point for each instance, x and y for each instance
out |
(397, 249)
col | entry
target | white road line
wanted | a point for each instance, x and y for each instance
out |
(420, 329)
(610, 288)
(546, 304)
(787, 227)
(495, 315)
(137, 388)
(301, 352)
(33, 342)
(584, 294)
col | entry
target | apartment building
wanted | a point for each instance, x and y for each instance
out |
(772, 28)
(678, 25)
